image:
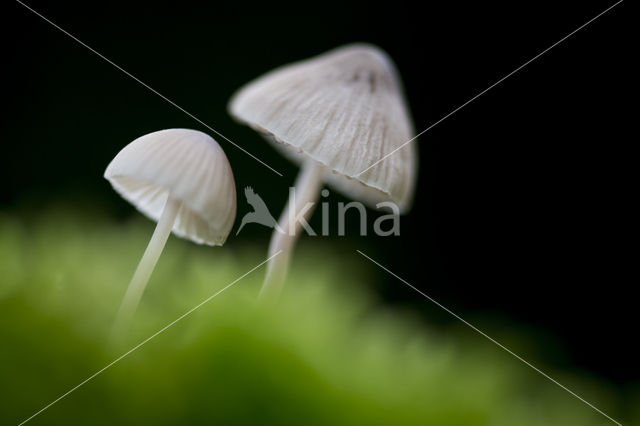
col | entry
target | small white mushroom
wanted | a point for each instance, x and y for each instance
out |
(339, 112)
(181, 179)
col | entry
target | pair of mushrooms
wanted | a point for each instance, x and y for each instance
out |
(335, 115)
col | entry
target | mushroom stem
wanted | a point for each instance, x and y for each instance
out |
(145, 267)
(306, 190)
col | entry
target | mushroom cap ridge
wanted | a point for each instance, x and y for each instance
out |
(344, 109)
(188, 165)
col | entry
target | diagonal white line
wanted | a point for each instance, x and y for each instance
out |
(152, 89)
(492, 339)
(147, 339)
(491, 87)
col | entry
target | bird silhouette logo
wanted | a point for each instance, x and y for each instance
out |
(260, 213)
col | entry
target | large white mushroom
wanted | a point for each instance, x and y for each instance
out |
(336, 115)
(181, 179)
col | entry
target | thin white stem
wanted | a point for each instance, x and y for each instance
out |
(306, 191)
(145, 267)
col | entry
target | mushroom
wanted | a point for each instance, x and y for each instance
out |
(336, 115)
(181, 179)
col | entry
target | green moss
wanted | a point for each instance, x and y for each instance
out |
(324, 356)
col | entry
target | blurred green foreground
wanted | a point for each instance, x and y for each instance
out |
(326, 355)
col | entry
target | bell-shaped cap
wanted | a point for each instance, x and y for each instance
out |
(188, 166)
(344, 109)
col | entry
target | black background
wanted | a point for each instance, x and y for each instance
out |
(522, 214)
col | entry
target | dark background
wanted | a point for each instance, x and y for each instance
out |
(522, 213)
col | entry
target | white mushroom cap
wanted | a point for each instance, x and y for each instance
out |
(188, 166)
(344, 109)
